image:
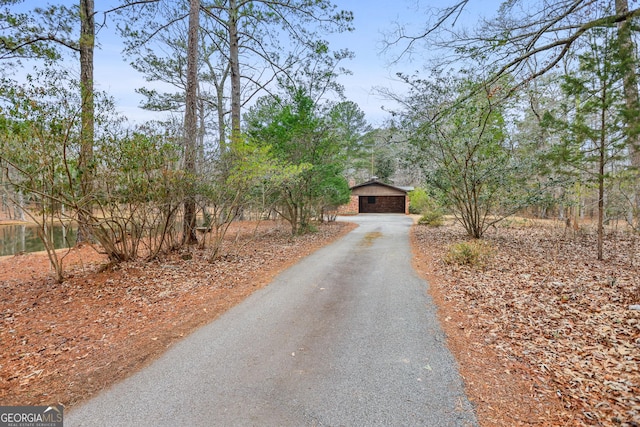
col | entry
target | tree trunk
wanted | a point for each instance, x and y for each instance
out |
(601, 164)
(222, 145)
(202, 121)
(20, 207)
(630, 83)
(87, 44)
(234, 62)
(191, 124)
(601, 204)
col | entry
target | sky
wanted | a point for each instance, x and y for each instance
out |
(371, 68)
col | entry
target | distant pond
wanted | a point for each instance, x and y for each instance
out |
(24, 238)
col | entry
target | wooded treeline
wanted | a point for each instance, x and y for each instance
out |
(142, 189)
(534, 110)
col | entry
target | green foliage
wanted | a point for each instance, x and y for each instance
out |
(296, 135)
(35, 34)
(592, 123)
(384, 165)
(426, 206)
(592, 114)
(135, 190)
(432, 218)
(137, 195)
(38, 150)
(307, 228)
(246, 177)
(350, 126)
(459, 138)
(333, 188)
(474, 253)
(419, 201)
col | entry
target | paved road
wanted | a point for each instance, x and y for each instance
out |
(346, 337)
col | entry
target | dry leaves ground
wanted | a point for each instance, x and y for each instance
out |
(543, 331)
(62, 343)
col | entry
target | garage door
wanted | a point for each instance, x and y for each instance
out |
(382, 204)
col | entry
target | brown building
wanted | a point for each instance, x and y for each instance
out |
(377, 197)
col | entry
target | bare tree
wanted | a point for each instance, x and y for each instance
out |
(527, 40)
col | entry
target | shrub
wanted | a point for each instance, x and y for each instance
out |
(420, 201)
(427, 206)
(474, 253)
(432, 219)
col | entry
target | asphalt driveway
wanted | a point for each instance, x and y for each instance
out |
(346, 337)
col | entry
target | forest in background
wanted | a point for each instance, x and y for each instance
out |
(532, 112)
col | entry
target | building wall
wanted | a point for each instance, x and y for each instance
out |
(350, 208)
(353, 207)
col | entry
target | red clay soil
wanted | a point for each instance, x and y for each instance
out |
(63, 343)
(501, 389)
(544, 333)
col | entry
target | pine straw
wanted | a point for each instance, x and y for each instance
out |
(63, 343)
(544, 302)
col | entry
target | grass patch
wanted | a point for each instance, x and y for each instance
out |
(432, 219)
(474, 253)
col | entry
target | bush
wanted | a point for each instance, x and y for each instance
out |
(427, 206)
(431, 219)
(420, 201)
(474, 253)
